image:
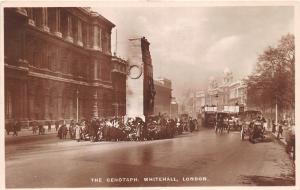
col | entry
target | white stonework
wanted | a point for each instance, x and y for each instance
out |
(134, 87)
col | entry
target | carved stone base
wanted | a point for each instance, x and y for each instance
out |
(58, 34)
(96, 48)
(80, 43)
(31, 22)
(69, 39)
(46, 28)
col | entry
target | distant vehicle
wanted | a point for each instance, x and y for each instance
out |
(184, 118)
(234, 122)
(208, 116)
(251, 126)
(222, 123)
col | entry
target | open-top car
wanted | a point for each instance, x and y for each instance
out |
(252, 126)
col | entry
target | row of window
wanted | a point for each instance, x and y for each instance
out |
(71, 27)
(43, 55)
(236, 93)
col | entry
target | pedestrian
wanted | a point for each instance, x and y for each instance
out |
(8, 127)
(273, 126)
(280, 130)
(16, 128)
(64, 130)
(41, 128)
(77, 132)
(56, 125)
(49, 126)
(191, 125)
(72, 130)
(59, 133)
(34, 127)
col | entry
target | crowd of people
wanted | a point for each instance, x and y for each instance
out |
(120, 129)
(13, 127)
(107, 129)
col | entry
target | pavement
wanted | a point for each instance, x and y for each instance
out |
(28, 132)
(282, 139)
(201, 158)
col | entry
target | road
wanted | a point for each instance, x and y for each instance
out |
(193, 159)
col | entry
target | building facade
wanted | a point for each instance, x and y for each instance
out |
(226, 93)
(174, 108)
(58, 65)
(237, 93)
(163, 96)
(220, 93)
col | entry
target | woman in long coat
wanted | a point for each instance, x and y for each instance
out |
(77, 132)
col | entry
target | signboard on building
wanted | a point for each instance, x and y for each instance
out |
(210, 108)
(232, 109)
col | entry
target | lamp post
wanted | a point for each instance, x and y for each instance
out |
(170, 107)
(276, 106)
(77, 93)
(217, 98)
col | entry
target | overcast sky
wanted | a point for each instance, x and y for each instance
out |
(189, 45)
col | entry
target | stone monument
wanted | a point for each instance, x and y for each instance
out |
(139, 84)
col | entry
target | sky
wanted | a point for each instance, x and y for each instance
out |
(191, 44)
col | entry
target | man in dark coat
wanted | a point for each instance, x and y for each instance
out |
(49, 126)
(8, 127)
(192, 125)
(16, 128)
(56, 125)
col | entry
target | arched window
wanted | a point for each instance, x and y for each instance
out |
(8, 104)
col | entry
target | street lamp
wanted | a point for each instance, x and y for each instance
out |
(217, 98)
(276, 107)
(77, 93)
(170, 107)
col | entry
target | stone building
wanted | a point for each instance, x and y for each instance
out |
(174, 108)
(237, 93)
(56, 57)
(194, 101)
(226, 93)
(163, 96)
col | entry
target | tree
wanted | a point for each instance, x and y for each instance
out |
(273, 79)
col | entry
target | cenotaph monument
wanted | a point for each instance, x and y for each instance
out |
(139, 84)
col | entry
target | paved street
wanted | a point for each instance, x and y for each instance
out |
(192, 159)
